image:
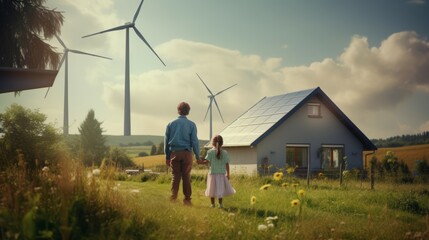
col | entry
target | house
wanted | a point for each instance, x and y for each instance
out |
(303, 129)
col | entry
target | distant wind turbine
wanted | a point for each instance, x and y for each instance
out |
(127, 26)
(212, 98)
(66, 81)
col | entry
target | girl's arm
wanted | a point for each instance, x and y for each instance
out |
(227, 171)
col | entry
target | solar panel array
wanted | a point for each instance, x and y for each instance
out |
(260, 118)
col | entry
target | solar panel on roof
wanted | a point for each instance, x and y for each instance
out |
(261, 117)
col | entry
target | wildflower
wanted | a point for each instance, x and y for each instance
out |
(290, 170)
(265, 187)
(346, 173)
(295, 185)
(320, 175)
(278, 176)
(285, 184)
(135, 191)
(270, 225)
(253, 200)
(270, 219)
(45, 169)
(301, 193)
(262, 227)
(96, 172)
(295, 202)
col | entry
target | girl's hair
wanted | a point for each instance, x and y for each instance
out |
(217, 142)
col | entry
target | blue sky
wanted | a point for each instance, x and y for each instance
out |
(370, 57)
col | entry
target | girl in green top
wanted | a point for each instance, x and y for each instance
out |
(218, 184)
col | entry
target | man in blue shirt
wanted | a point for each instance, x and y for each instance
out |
(179, 143)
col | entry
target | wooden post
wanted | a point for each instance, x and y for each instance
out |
(341, 173)
(372, 169)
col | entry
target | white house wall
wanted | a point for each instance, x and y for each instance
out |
(300, 129)
(242, 160)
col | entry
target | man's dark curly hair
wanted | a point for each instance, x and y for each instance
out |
(183, 108)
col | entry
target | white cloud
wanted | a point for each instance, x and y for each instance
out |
(362, 80)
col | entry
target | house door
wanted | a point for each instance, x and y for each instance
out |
(297, 155)
(331, 156)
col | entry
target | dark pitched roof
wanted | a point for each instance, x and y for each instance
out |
(16, 79)
(270, 112)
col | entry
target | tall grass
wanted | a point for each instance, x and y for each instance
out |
(68, 202)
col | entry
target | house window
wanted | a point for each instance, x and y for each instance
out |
(331, 156)
(297, 155)
(314, 110)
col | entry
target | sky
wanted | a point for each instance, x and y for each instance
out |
(370, 57)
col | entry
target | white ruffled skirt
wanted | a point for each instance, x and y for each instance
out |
(218, 186)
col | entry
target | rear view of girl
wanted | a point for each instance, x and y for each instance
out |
(218, 184)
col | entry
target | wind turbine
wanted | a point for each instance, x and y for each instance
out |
(66, 81)
(127, 26)
(212, 98)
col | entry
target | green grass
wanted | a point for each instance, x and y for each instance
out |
(328, 211)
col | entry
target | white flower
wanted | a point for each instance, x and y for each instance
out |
(262, 227)
(271, 219)
(96, 172)
(270, 225)
(135, 191)
(45, 169)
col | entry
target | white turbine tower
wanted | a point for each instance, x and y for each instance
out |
(127, 26)
(212, 98)
(66, 81)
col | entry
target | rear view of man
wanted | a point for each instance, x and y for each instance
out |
(179, 143)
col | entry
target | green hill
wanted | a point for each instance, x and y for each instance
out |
(114, 140)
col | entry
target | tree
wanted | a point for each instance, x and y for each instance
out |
(120, 158)
(153, 150)
(93, 148)
(27, 136)
(24, 24)
(160, 148)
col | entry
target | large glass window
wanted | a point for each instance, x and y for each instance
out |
(331, 156)
(297, 155)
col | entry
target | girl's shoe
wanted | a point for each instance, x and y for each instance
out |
(212, 205)
(220, 206)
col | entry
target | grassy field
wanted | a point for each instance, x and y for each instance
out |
(150, 161)
(409, 154)
(326, 211)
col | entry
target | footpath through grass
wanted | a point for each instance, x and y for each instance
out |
(324, 210)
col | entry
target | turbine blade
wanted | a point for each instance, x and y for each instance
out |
(137, 12)
(204, 84)
(217, 106)
(61, 42)
(90, 54)
(208, 108)
(62, 61)
(144, 40)
(225, 90)
(108, 30)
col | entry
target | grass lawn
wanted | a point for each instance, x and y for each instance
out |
(326, 211)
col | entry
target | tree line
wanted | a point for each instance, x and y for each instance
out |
(403, 140)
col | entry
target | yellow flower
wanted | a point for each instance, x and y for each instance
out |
(320, 174)
(301, 193)
(253, 200)
(290, 170)
(295, 202)
(295, 184)
(285, 184)
(265, 187)
(278, 176)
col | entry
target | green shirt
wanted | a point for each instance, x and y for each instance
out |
(217, 166)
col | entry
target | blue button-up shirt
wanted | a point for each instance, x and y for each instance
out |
(181, 134)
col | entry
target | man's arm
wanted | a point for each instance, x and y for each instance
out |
(167, 146)
(195, 143)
